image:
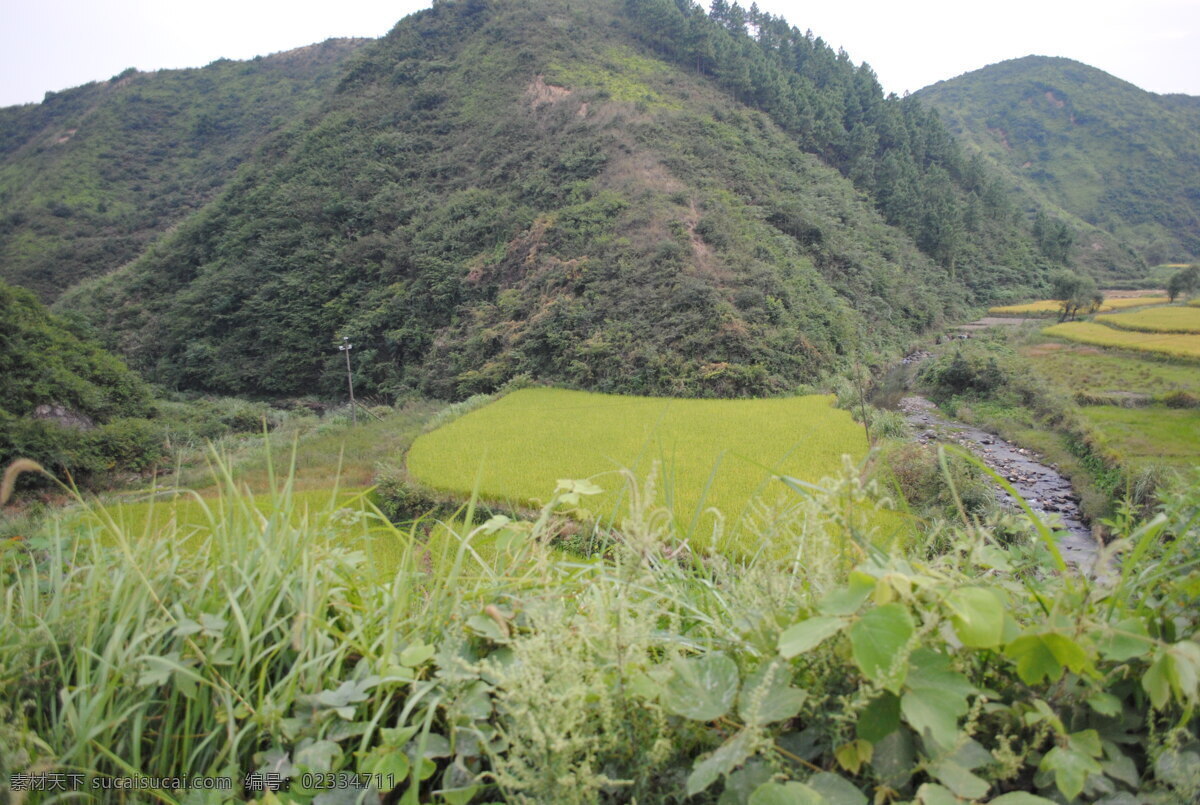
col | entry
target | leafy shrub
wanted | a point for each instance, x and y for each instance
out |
(504, 671)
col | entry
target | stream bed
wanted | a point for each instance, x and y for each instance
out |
(1046, 491)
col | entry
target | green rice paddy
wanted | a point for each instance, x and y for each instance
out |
(1081, 368)
(1139, 437)
(708, 454)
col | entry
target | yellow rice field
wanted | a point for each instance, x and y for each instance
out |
(1049, 306)
(1156, 320)
(1086, 332)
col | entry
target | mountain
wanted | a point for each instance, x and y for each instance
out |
(90, 176)
(624, 196)
(1122, 164)
(65, 401)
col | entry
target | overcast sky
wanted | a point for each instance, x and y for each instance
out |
(55, 44)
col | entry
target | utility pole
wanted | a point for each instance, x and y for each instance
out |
(345, 347)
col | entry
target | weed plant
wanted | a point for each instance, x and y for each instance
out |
(988, 669)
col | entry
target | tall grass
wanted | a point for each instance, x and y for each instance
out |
(486, 664)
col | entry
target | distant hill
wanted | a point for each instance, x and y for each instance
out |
(627, 195)
(1121, 164)
(91, 175)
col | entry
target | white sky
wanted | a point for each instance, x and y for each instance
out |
(55, 44)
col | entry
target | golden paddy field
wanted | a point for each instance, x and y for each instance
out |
(1156, 320)
(1184, 345)
(1048, 306)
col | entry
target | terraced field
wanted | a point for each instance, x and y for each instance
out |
(1156, 320)
(1185, 345)
(1090, 370)
(1140, 437)
(1047, 307)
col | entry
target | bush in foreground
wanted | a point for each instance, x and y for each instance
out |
(492, 666)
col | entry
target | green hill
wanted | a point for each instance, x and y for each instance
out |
(1122, 164)
(539, 188)
(91, 175)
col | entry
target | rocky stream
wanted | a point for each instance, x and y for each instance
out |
(1047, 492)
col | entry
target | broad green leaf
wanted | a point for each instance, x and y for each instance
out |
(495, 523)
(1157, 680)
(743, 782)
(836, 790)
(934, 794)
(1070, 767)
(878, 640)
(1086, 741)
(459, 796)
(807, 635)
(959, 780)
(186, 627)
(1105, 704)
(317, 755)
(1125, 640)
(432, 745)
(416, 654)
(213, 625)
(487, 627)
(847, 600)
(785, 794)
(936, 697)
(854, 755)
(1120, 766)
(768, 697)
(1186, 657)
(398, 736)
(978, 616)
(895, 759)
(1020, 798)
(879, 719)
(971, 755)
(386, 761)
(701, 688)
(1045, 656)
(727, 757)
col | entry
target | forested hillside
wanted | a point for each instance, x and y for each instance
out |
(1122, 164)
(537, 188)
(64, 401)
(91, 175)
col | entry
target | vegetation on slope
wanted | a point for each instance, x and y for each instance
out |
(565, 204)
(90, 176)
(64, 401)
(1121, 163)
